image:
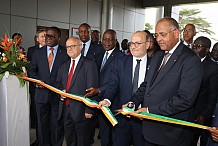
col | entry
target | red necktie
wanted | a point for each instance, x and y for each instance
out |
(69, 78)
(50, 57)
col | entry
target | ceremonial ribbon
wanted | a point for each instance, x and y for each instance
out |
(144, 115)
(91, 103)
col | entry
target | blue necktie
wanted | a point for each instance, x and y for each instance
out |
(104, 60)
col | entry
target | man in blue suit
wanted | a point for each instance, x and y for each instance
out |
(128, 73)
(44, 66)
(170, 88)
(109, 41)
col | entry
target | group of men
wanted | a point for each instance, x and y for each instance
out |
(165, 83)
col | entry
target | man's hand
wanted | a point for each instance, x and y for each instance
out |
(214, 133)
(88, 116)
(63, 97)
(200, 120)
(103, 103)
(39, 85)
(91, 92)
(144, 109)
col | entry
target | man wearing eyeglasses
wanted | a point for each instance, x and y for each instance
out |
(44, 66)
(207, 96)
(126, 76)
(188, 35)
(170, 87)
(75, 76)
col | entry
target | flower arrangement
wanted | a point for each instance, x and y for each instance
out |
(12, 59)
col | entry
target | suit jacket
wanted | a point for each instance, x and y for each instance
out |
(172, 93)
(30, 52)
(84, 77)
(96, 53)
(207, 96)
(121, 82)
(39, 69)
(105, 73)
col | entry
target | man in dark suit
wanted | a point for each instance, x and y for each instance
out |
(44, 66)
(40, 38)
(207, 96)
(76, 115)
(128, 73)
(90, 49)
(170, 87)
(188, 35)
(111, 53)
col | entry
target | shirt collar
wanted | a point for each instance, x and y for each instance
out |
(144, 58)
(174, 48)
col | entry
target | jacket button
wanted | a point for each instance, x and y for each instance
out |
(148, 95)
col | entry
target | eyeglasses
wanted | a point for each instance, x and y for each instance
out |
(162, 34)
(188, 30)
(136, 44)
(198, 46)
(72, 46)
(50, 36)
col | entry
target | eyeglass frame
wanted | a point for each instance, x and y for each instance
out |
(72, 46)
(188, 30)
(50, 36)
(136, 44)
(163, 34)
(198, 46)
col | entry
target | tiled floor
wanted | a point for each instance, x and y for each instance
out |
(33, 137)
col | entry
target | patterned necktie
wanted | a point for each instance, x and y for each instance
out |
(69, 79)
(166, 56)
(50, 57)
(83, 50)
(136, 76)
(104, 59)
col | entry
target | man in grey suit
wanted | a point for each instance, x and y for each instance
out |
(75, 76)
(170, 87)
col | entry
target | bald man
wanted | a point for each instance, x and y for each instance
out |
(75, 76)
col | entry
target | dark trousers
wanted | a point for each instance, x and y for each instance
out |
(50, 130)
(77, 133)
(127, 129)
(105, 129)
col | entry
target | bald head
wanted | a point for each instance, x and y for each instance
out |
(74, 47)
(139, 44)
(167, 33)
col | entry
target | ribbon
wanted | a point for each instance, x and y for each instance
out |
(91, 103)
(144, 115)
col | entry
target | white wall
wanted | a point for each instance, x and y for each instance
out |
(25, 15)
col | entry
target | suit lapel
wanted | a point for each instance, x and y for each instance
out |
(128, 70)
(111, 57)
(65, 73)
(76, 71)
(172, 60)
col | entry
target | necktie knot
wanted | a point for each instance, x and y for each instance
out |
(52, 49)
(138, 61)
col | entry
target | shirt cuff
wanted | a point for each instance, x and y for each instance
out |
(108, 101)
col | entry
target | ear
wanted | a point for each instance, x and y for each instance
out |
(147, 45)
(177, 33)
